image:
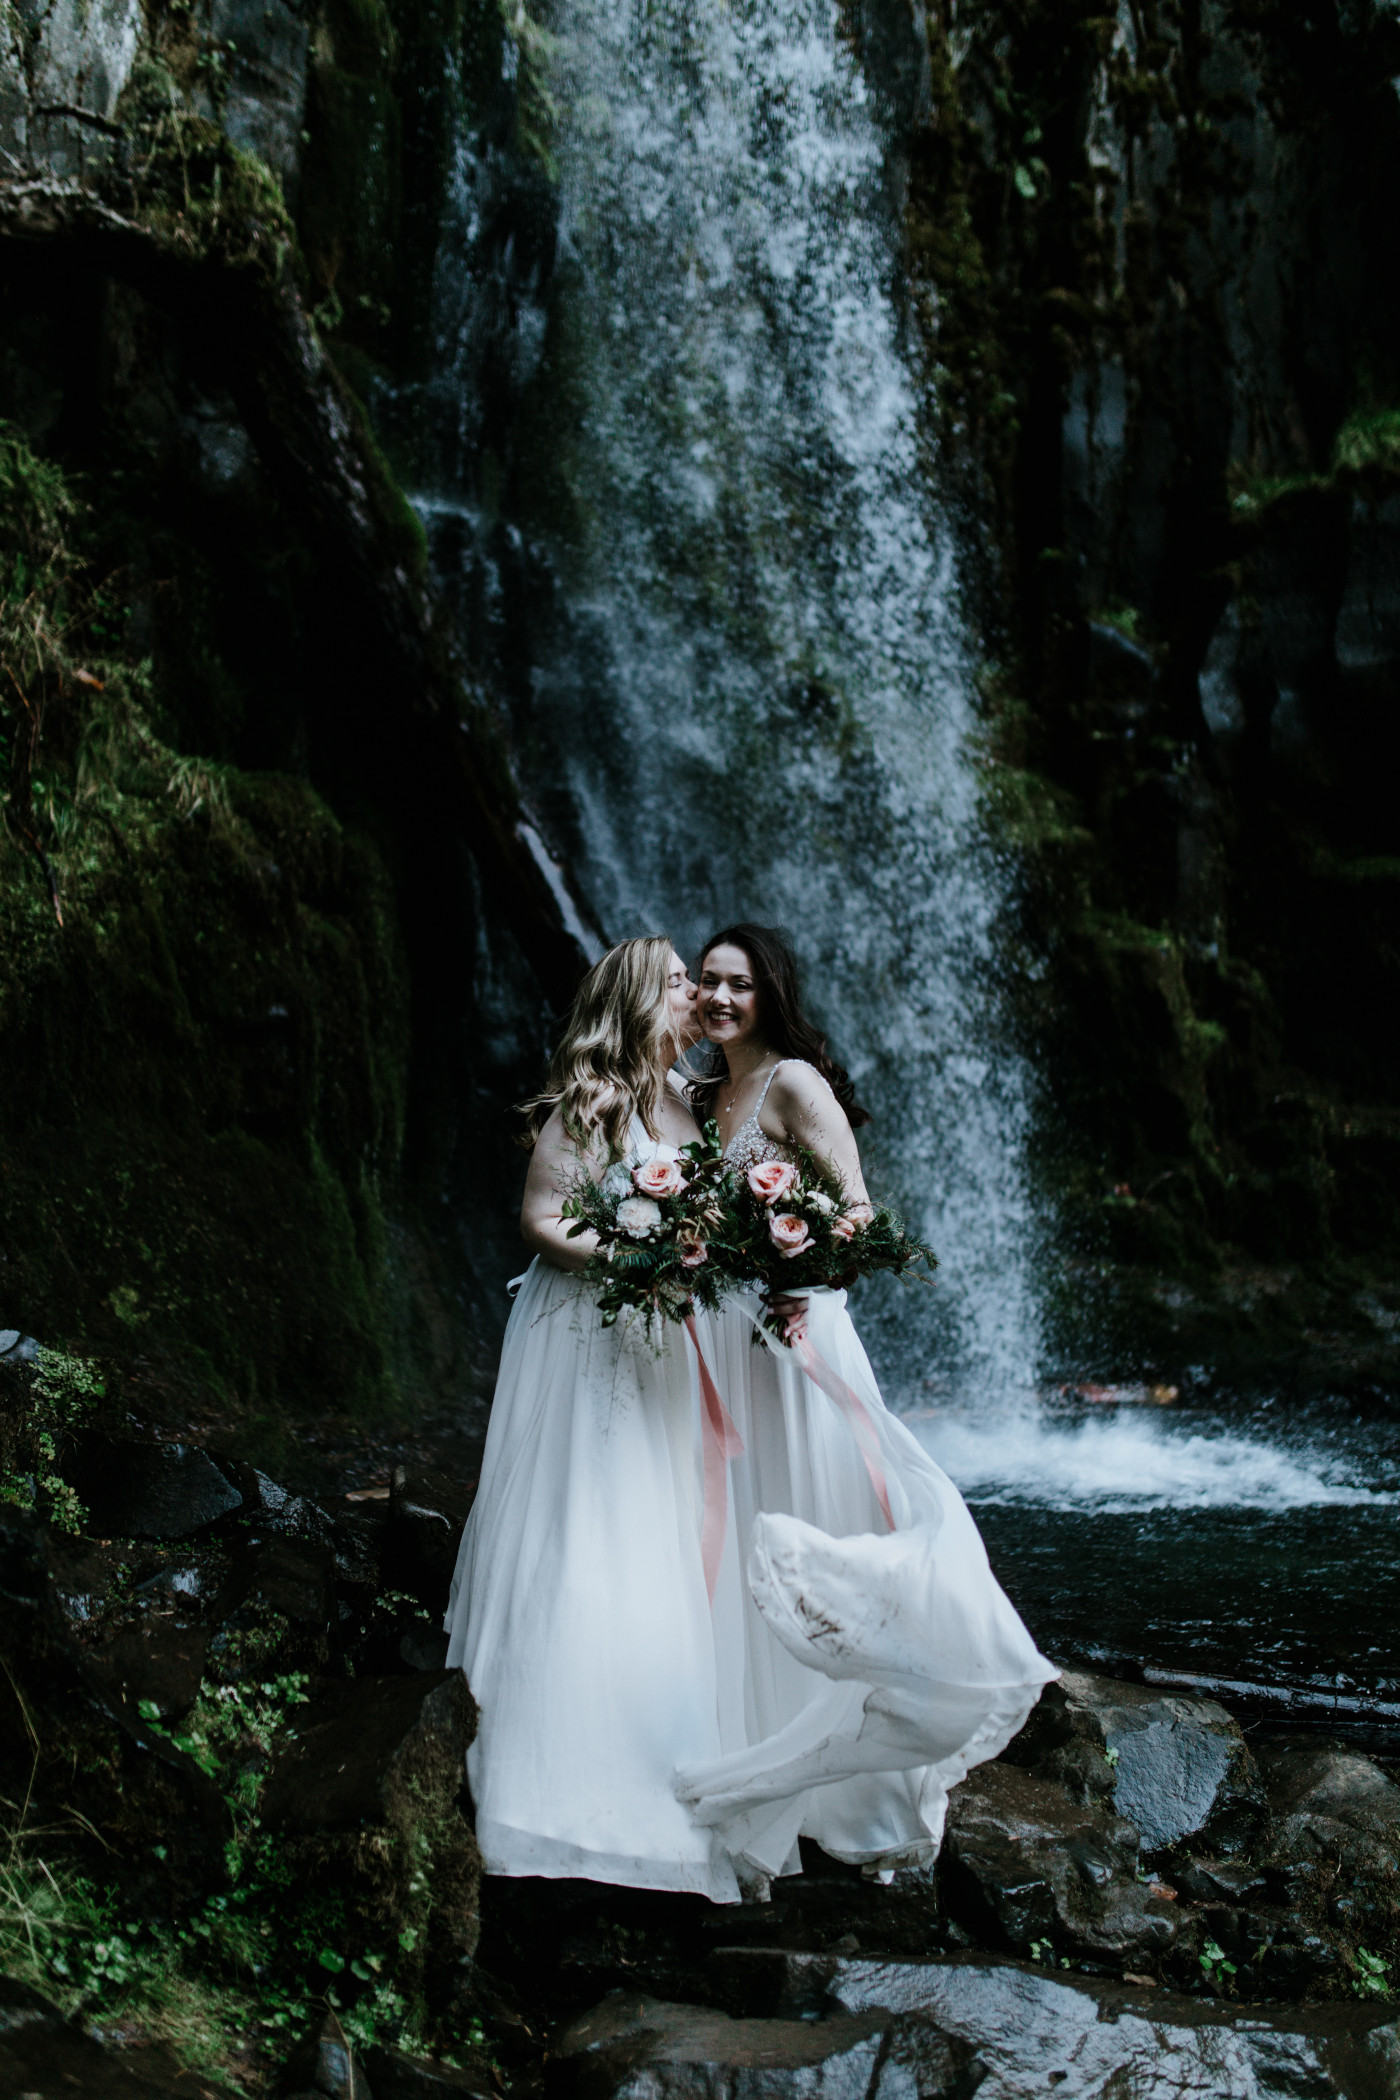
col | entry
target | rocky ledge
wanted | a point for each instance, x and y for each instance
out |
(226, 1707)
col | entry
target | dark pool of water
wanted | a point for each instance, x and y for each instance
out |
(1293, 1612)
(1253, 1551)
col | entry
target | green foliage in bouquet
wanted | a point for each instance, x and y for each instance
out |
(793, 1227)
(676, 1234)
(655, 1225)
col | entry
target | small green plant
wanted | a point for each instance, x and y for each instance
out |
(1110, 1758)
(1216, 1966)
(1044, 1951)
(66, 1387)
(1371, 1974)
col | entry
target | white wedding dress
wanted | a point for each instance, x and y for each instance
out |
(844, 1677)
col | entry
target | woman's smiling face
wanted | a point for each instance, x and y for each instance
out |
(727, 1001)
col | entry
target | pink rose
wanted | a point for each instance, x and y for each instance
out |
(771, 1178)
(843, 1228)
(659, 1177)
(861, 1214)
(789, 1234)
(690, 1246)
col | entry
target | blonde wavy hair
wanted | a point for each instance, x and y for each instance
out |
(609, 1065)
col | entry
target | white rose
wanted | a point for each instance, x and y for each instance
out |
(638, 1217)
(821, 1202)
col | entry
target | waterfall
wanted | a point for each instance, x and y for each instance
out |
(748, 688)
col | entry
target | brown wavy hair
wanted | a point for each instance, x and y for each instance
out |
(608, 1066)
(780, 1016)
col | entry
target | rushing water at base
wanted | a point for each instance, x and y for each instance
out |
(1256, 1552)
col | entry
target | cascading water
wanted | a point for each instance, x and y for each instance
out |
(753, 697)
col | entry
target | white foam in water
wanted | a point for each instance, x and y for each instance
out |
(1130, 1461)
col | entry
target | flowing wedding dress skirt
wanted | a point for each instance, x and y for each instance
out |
(578, 1609)
(861, 1672)
(845, 1677)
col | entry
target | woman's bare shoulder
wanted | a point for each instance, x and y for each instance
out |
(796, 1084)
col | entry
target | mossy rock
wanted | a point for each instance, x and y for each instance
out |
(364, 1802)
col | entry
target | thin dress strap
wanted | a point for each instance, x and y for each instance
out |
(751, 1141)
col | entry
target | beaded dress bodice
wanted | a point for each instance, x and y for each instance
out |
(751, 1144)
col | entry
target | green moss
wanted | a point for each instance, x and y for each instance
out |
(205, 1059)
(1368, 441)
(1261, 494)
(190, 184)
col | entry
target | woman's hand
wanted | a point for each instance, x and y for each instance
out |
(793, 1314)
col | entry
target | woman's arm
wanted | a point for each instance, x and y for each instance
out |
(554, 1169)
(810, 1115)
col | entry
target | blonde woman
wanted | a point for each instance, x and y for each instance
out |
(579, 1609)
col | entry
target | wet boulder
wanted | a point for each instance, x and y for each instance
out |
(84, 1574)
(357, 1537)
(1024, 1865)
(1335, 1859)
(426, 1514)
(280, 1596)
(364, 1796)
(43, 2055)
(1331, 1801)
(159, 1661)
(270, 1507)
(635, 2046)
(899, 1911)
(396, 2076)
(1176, 1765)
(325, 2067)
(1032, 2032)
(161, 1821)
(145, 1491)
(291, 1577)
(1003, 2030)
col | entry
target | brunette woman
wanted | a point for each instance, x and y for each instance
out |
(866, 1657)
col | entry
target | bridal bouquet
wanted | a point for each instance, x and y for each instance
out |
(793, 1228)
(656, 1224)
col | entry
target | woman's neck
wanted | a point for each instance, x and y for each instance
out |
(745, 1058)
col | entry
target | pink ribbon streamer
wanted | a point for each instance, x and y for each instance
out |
(720, 1442)
(856, 1412)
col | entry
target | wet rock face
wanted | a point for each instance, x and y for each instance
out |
(1176, 1766)
(266, 43)
(1023, 1863)
(151, 1491)
(943, 2031)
